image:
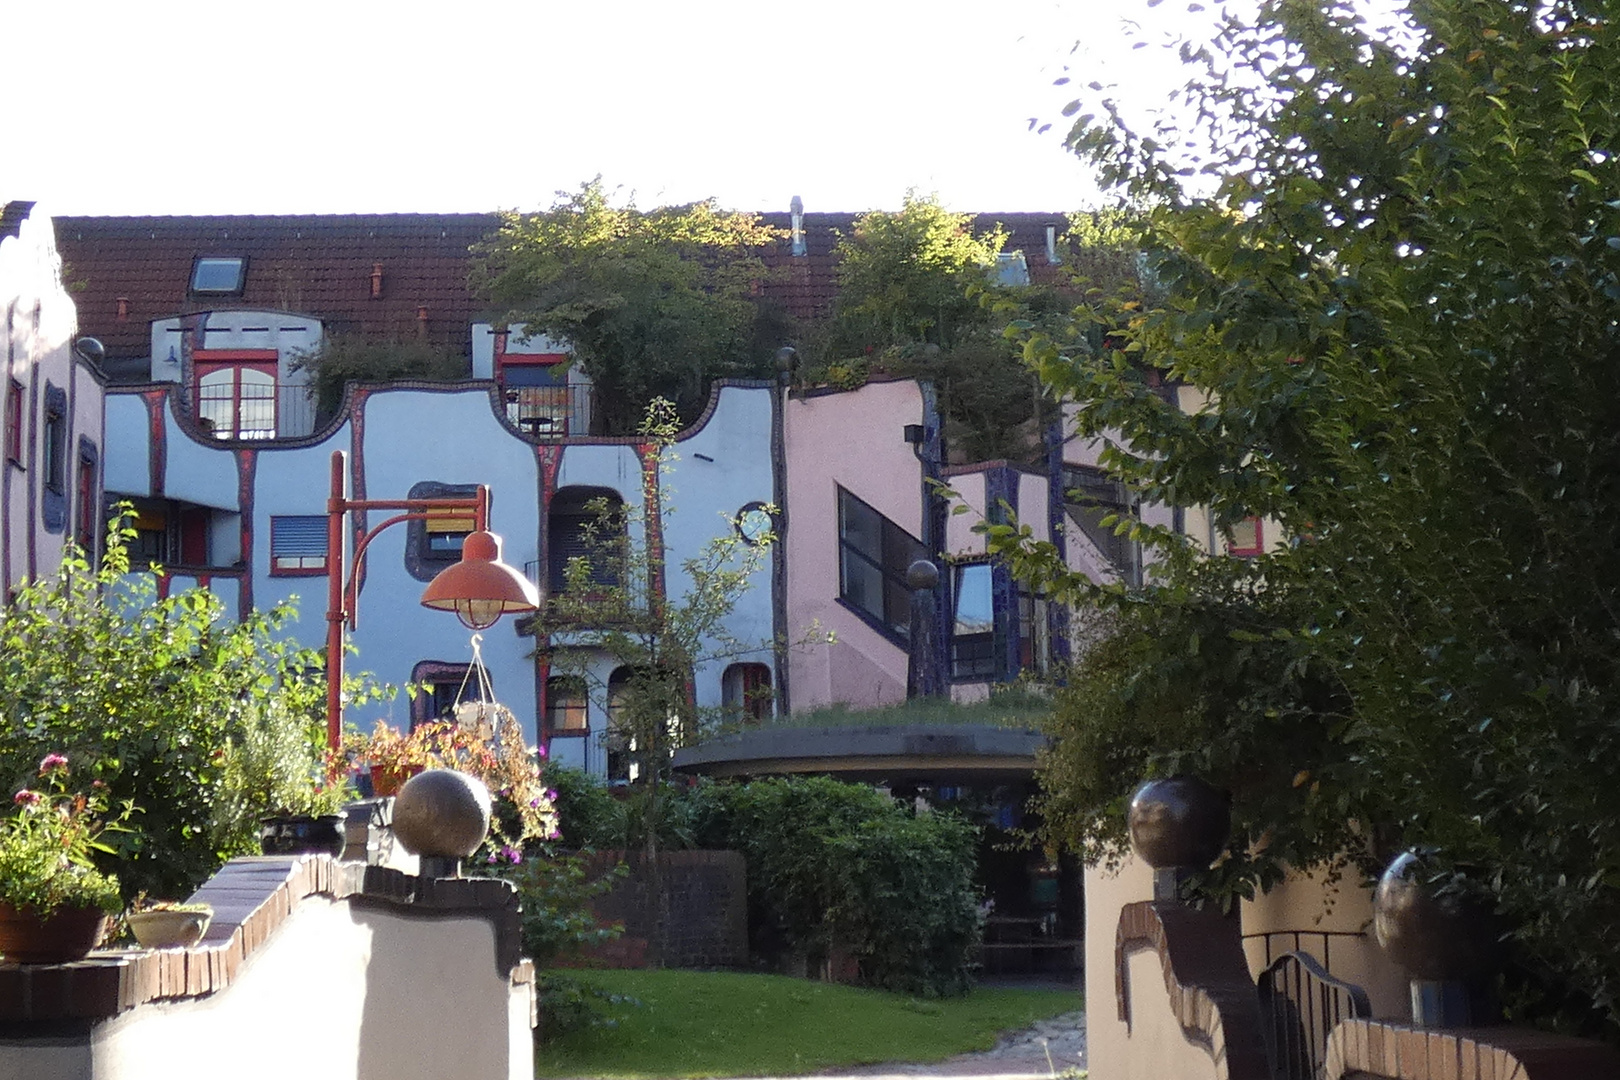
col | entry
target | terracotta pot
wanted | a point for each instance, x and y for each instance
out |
(65, 935)
(301, 834)
(168, 929)
(388, 779)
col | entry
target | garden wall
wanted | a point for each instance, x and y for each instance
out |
(324, 970)
(706, 909)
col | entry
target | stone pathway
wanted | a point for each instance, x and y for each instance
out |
(1037, 1053)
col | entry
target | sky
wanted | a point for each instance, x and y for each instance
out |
(345, 106)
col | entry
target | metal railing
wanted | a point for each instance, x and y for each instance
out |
(255, 410)
(550, 412)
(1300, 1003)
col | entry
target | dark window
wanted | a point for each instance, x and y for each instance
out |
(153, 541)
(874, 553)
(298, 545)
(1034, 638)
(566, 706)
(54, 466)
(973, 628)
(218, 275)
(584, 523)
(14, 422)
(440, 687)
(435, 543)
(1093, 496)
(619, 743)
(89, 505)
(745, 692)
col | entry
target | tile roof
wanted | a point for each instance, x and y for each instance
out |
(318, 265)
(806, 285)
(12, 215)
(321, 265)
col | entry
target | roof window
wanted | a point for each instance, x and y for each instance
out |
(218, 275)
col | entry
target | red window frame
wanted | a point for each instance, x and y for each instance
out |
(87, 503)
(209, 361)
(14, 422)
(1247, 551)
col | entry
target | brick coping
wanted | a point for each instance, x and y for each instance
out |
(251, 897)
(1402, 1052)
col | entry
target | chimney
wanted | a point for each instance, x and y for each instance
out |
(1051, 246)
(123, 309)
(421, 321)
(799, 246)
(376, 281)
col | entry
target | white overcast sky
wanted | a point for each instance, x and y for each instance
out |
(340, 106)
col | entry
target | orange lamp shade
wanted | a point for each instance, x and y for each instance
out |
(481, 588)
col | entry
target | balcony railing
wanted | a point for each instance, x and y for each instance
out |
(550, 412)
(255, 411)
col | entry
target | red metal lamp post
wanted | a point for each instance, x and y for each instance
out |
(479, 589)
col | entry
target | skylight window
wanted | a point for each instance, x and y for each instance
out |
(215, 276)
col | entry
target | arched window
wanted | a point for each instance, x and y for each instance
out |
(745, 692)
(619, 742)
(584, 523)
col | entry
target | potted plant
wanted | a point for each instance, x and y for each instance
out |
(310, 820)
(167, 924)
(394, 757)
(54, 903)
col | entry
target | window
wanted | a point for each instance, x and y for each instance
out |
(1034, 636)
(171, 533)
(89, 501)
(973, 628)
(152, 543)
(237, 392)
(1091, 497)
(583, 523)
(1245, 538)
(566, 706)
(433, 543)
(14, 422)
(54, 467)
(745, 692)
(297, 545)
(874, 553)
(618, 742)
(213, 275)
(440, 687)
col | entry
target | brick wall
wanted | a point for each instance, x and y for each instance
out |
(705, 911)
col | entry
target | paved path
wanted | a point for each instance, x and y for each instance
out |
(1037, 1053)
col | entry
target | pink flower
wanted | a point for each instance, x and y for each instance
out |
(551, 794)
(52, 763)
(26, 797)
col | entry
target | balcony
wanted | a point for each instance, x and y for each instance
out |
(550, 413)
(255, 410)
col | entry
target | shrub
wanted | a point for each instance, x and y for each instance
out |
(843, 865)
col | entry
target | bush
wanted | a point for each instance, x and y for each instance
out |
(834, 865)
(162, 700)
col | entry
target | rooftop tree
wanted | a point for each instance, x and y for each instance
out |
(1390, 271)
(653, 303)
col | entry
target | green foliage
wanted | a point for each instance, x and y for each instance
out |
(47, 843)
(715, 1023)
(655, 303)
(834, 865)
(912, 276)
(1394, 323)
(589, 816)
(341, 359)
(156, 699)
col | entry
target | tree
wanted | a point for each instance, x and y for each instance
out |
(1396, 311)
(190, 717)
(344, 358)
(614, 605)
(655, 303)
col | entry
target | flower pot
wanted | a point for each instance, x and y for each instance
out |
(388, 779)
(65, 935)
(168, 929)
(300, 834)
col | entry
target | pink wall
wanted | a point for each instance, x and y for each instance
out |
(855, 440)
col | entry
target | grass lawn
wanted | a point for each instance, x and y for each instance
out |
(701, 1023)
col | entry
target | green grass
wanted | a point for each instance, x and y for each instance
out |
(698, 1023)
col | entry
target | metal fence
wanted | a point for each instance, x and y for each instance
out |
(550, 412)
(1300, 1003)
(255, 410)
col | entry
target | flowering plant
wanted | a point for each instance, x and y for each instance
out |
(47, 842)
